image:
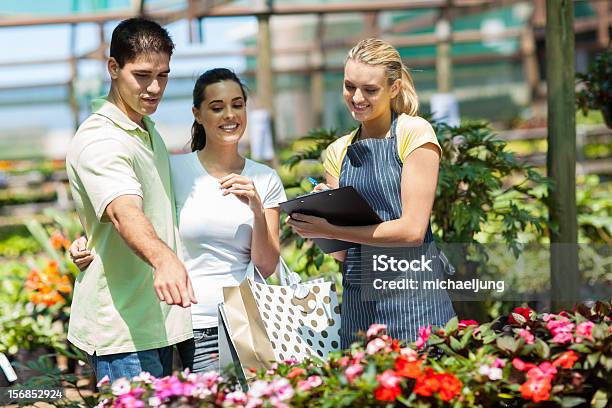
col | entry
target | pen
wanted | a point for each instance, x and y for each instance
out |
(313, 181)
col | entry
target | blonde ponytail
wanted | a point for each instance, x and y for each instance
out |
(406, 100)
(373, 51)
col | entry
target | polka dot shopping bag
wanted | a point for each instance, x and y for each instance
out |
(267, 323)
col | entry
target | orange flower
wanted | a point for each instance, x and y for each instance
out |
(57, 240)
(46, 286)
(536, 389)
(450, 386)
(295, 372)
(566, 360)
(427, 383)
(406, 368)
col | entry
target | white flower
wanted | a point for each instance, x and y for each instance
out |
(155, 401)
(144, 377)
(495, 374)
(484, 370)
(121, 386)
(260, 388)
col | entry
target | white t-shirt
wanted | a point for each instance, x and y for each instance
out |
(215, 230)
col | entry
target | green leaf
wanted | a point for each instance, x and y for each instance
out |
(455, 344)
(542, 348)
(600, 399)
(581, 348)
(452, 325)
(568, 402)
(592, 360)
(39, 233)
(507, 343)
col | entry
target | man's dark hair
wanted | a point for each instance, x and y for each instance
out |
(138, 36)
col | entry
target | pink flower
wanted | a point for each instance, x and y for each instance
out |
(498, 363)
(561, 329)
(527, 335)
(358, 356)
(521, 365)
(128, 401)
(260, 388)
(353, 371)
(375, 345)
(544, 370)
(375, 329)
(105, 380)
(388, 379)
(167, 387)
(344, 361)
(465, 323)
(254, 403)
(282, 389)
(584, 330)
(424, 333)
(311, 382)
(235, 398)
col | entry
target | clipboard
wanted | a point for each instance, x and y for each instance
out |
(341, 206)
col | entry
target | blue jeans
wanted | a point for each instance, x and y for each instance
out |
(201, 353)
(157, 362)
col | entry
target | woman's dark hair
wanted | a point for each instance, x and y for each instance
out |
(212, 76)
(138, 36)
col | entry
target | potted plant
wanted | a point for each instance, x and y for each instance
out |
(596, 92)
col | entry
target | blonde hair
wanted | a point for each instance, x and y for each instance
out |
(373, 51)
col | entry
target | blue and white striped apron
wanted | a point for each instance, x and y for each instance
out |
(373, 167)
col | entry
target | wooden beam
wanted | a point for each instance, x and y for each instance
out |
(443, 52)
(239, 11)
(264, 77)
(561, 154)
(317, 78)
(603, 28)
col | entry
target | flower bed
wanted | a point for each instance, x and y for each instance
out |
(525, 360)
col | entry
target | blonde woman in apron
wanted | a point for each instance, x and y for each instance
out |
(392, 160)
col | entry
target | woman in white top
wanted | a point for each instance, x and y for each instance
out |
(228, 209)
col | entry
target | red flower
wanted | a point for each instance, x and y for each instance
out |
(387, 393)
(405, 367)
(465, 323)
(566, 360)
(520, 315)
(427, 383)
(389, 388)
(450, 386)
(521, 365)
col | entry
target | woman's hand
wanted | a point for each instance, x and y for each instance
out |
(243, 188)
(321, 187)
(79, 253)
(309, 226)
